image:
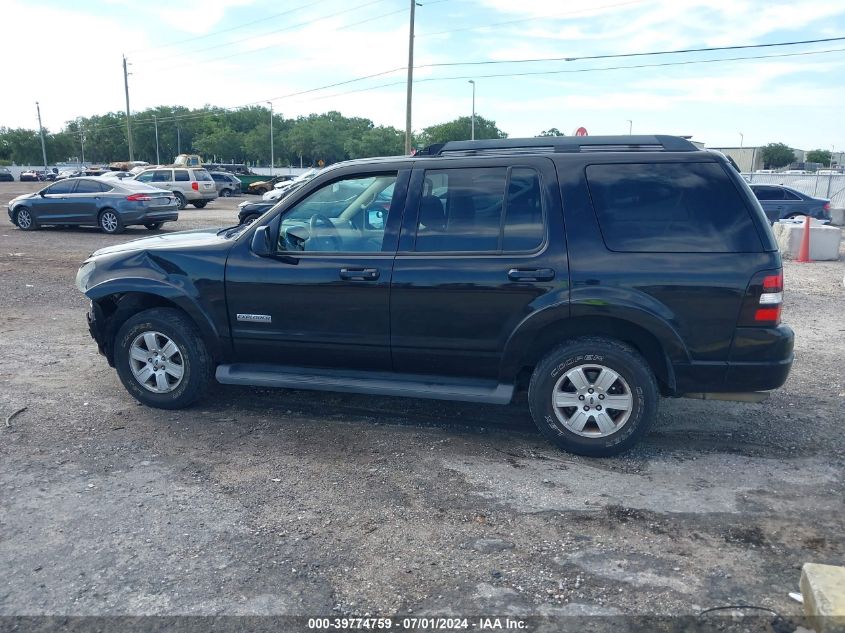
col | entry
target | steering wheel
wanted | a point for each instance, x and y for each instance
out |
(318, 240)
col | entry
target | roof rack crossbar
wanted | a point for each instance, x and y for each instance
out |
(562, 144)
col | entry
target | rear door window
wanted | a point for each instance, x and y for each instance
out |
(768, 193)
(671, 208)
(181, 175)
(162, 175)
(480, 209)
(91, 186)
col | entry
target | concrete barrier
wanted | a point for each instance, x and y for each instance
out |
(823, 590)
(837, 217)
(824, 240)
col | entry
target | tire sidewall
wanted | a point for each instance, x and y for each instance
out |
(181, 202)
(636, 374)
(173, 399)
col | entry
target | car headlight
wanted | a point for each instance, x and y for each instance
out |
(84, 274)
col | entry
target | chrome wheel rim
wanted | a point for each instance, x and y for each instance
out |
(109, 222)
(24, 219)
(156, 362)
(592, 401)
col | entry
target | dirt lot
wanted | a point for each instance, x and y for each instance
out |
(282, 502)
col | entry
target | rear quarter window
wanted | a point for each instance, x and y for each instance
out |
(670, 208)
(202, 174)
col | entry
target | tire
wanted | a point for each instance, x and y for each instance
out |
(261, 190)
(634, 387)
(186, 372)
(110, 222)
(200, 204)
(153, 226)
(24, 219)
(180, 200)
(251, 218)
(225, 193)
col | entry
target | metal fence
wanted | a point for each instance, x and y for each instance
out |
(830, 186)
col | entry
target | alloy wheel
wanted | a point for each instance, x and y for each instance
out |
(24, 219)
(156, 362)
(109, 221)
(592, 401)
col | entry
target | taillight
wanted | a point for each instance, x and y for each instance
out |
(195, 186)
(826, 206)
(138, 197)
(763, 300)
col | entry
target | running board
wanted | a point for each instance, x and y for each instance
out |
(366, 382)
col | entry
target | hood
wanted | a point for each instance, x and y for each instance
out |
(25, 196)
(182, 239)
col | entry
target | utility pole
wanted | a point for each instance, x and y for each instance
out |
(741, 140)
(155, 123)
(178, 136)
(272, 161)
(410, 79)
(472, 120)
(128, 121)
(82, 141)
(630, 126)
(41, 132)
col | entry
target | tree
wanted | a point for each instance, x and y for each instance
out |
(378, 141)
(776, 155)
(821, 156)
(551, 132)
(460, 130)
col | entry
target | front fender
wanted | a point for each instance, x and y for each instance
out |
(171, 293)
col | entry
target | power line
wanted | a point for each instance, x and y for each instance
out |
(233, 28)
(497, 75)
(256, 36)
(531, 19)
(583, 70)
(709, 49)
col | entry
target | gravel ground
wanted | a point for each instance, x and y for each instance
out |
(283, 502)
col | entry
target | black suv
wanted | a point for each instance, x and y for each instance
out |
(598, 273)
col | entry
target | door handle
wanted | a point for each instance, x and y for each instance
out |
(364, 274)
(531, 274)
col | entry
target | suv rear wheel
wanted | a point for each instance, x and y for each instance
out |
(200, 204)
(161, 359)
(593, 396)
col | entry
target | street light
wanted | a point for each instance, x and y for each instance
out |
(630, 126)
(472, 121)
(272, 161)
(741, 140)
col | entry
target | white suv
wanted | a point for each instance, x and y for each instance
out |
(192, 184)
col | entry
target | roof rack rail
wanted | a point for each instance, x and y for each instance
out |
(560, 144)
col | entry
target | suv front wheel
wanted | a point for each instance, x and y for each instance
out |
(593, 396)
(161, 359)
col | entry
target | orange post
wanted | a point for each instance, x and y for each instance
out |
(804, 251)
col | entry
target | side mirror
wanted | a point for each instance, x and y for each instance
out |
(261, 242)
(42, 193)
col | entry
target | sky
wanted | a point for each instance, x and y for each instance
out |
(228, 53)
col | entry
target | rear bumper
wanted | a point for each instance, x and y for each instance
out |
(760, 360)
(147, 217)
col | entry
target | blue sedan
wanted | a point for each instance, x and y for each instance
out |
(109, 204)
(781, 202)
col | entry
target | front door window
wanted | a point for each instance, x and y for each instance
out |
(344, 216)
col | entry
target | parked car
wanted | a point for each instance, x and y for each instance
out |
(48, 174)
(227, 184)
(120, 175)
(6, 175)
(598, 273)
(281, 189)
(249, 212)
(70, 173)
(30, 175)
(191, 184)
(83, 201)
(781, 202)
(263, 186)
